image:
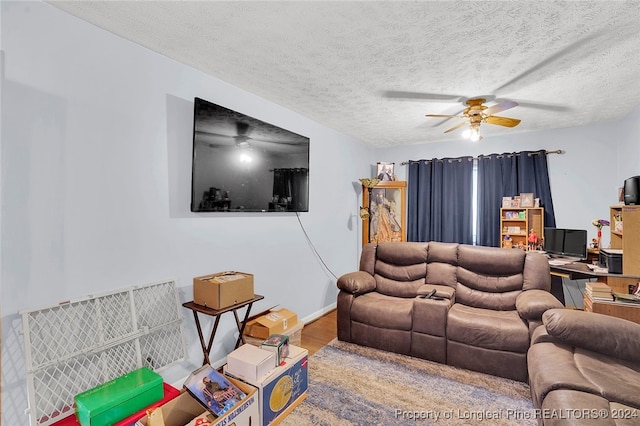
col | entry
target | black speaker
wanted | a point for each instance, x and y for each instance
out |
(631, 189)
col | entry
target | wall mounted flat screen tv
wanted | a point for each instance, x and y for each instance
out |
(242, 164)
(567, 243)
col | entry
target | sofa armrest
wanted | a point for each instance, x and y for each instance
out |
(531, 304)
(358, 282)
(599, 333)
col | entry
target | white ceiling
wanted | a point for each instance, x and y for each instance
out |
(372, 70)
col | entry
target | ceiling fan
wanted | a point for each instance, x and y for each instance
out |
(244, 137)
(477, 113)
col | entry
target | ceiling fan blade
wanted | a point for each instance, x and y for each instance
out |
(447, 116)
(548, 107)
(456, 127)
(502, 121)
(502, 106)
(398, 94)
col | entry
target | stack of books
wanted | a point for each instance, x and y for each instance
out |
(599, 291)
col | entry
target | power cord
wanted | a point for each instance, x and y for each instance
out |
(314, 248)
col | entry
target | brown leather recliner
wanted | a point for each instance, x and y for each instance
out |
(584, 368)
(486, 304)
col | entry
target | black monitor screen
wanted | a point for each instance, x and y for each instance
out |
(570, 243)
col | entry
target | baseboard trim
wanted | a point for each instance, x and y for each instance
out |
(315, 315)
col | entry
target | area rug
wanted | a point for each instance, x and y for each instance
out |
(355, 385)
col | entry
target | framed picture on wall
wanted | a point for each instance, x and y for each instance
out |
(385, 172)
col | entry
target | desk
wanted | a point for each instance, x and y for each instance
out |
(619, 283)
(217, 313)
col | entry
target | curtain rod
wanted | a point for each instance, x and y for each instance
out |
(557, 151)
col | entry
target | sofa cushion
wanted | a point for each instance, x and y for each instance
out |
(551, 367)
(489, 277)
(400, 268)
(398, 288)
(485, 328)
(481, 291)
(382, 311)
(491, 260)
(617, 380)
(566, 407)
(556, 366)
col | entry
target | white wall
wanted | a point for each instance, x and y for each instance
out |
(96, 175)
(584, 179)
(626, 134)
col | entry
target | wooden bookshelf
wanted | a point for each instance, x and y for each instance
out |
(628, 238)
(516, 222)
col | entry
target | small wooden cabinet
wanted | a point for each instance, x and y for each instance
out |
(516, 224)
(625, 235)
(386, 220)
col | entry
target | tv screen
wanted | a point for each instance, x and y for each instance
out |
(569, 243)
(242, 164)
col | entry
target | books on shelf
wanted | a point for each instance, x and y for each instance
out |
(213, 390)
(627, 298)
(599, 291)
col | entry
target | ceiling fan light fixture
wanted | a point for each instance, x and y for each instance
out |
(467, 133)
(475, 135)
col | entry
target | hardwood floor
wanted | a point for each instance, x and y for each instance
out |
(318, 333)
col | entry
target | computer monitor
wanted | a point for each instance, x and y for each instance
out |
(568, 243)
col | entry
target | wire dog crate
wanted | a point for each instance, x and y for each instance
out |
(74, 346)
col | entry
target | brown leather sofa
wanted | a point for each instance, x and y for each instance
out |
(584, 368)
(488, 302)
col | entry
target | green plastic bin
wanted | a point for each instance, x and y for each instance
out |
(117, 399)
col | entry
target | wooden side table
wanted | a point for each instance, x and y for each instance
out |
(628, 311)
(217, 313)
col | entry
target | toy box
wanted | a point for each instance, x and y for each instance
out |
(119, 398)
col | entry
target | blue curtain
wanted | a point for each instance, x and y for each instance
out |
(507, 175)
(439, 200)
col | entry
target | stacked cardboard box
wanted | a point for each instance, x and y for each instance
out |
(183, 409)
(282, 321)
(223, 289)
(284, 388)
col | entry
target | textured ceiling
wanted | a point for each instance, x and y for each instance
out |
(372, 70)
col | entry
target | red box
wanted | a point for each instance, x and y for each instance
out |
(169, 393)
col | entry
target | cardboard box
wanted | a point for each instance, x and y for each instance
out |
(117, 399)
(184, 408)
(294, 333)
(274, 322)
(250, 362)
(284, 387)
(223, 289)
